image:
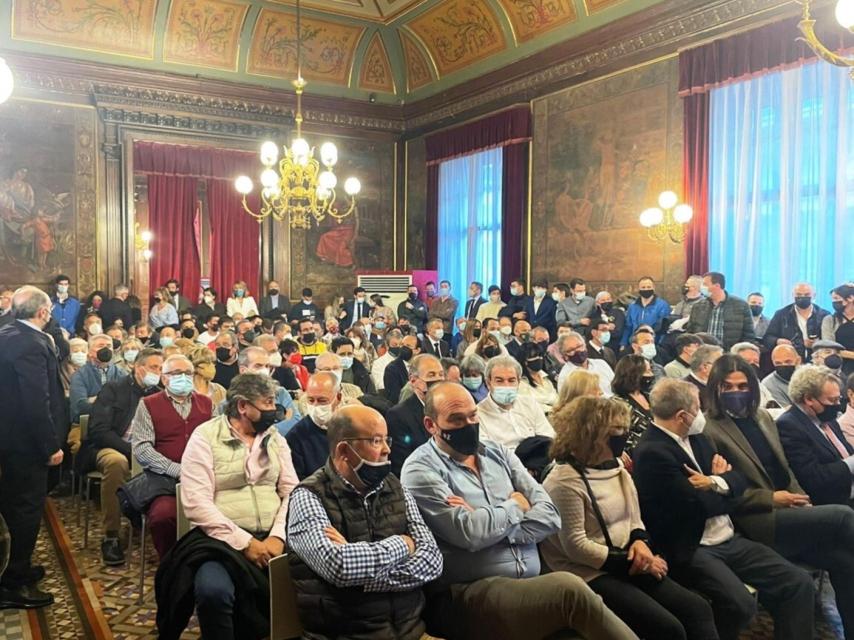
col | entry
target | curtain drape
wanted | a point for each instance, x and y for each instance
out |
(172, 204)
(190, 161)
(234, 239)
(514, 185)
(695, 181)
(470, 222)
(781, 181)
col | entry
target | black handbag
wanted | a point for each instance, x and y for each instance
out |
(139, 492)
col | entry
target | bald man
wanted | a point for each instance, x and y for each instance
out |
(797, 324)
(307, 439)
(359, 549)
(785, 359)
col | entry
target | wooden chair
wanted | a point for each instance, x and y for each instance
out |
(284, 615)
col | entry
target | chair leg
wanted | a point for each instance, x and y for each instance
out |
(142, 560)
(86, 514)
(79, 498)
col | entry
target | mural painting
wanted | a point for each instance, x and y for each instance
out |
(416, 203)
(124, 27)
(47, 193)
(376, 72)
(417, 68)
(602, 153)
(204, 32)
(531, 18)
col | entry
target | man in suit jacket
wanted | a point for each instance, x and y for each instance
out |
(116, 310)
(820, 456)
(396, 374)
(355, 309)
(274, 306)
(785, 325)
(768, 511)
(406, 420)
(475, 300)
(181, 303)
(597, 345)
(687, 492)
(540, 309)
(433, 342)
(33, 410)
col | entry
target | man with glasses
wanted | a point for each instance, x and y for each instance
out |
(161, 427)
(574, 352)
(359, 549)
(406, 419)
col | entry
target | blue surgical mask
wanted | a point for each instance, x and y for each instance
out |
(150, 380)
(505, 395)
(605, 337)
(472, 382)
(444, 291)
(346, 362)
(180, 385)
(704, 290)
(238, 293)
(130, 355)
(379, 325)
(648, 351)
(167, 342)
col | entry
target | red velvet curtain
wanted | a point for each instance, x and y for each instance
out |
(172, 203)
(234, 239)
(510, 129)
(197, 162)
(695, 180)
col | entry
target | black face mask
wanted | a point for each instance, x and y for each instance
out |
(187, 332)
(606, 306)
(273, 292)
(536, 364)
(838, 306)
(829, 413)
(267, 419)
(308, 338)
(647, 293)
(143, 339)
(464, 440)
(803, 302)
(405, 353)
(104, 354)
(833, 361)
(223, 353)
(116, 344)
(413, 297)
(249, 336)
(476, 333)
(736, 402)
(371, 473)
(618, 443)
(578, 358)
(647, 383)
(785, 371)
(756, 310)
(395, 351)
(491, 351)
(213, 327)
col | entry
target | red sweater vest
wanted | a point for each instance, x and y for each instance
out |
(171, 431)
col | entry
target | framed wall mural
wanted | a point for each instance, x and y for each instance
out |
(204, 33)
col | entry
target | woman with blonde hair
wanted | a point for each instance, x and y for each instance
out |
(363, 349)
(487, 346)
(471, 334)
(204, 364)
(602, 538)
(162, 313)
(240, 301)
(578, 383)
(127, 354)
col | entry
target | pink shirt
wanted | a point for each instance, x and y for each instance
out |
(846, 423)
(198, 482)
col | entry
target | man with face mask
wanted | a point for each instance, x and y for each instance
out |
(310, 345)
(648, 309)
(87, 382)
(225, 348)
(475, 300)
(161, 427)
(721, 314)
(359, 549)
(576, 306)
(306, 309)
(816, 448)
(444, 307)
(307, 440)
(786, 360)
(827, 353)
(393, 340)
(434, 342)
(488, 515)
(256, 360)
(413, 310)
(396, 374)
(574, 352)
(540, 309)
(643, 344)
(66, 307)
(756, 302)
(597, 345)
(701, 366)
(107, 447)
(352, 371)
(406, 419)
(236, 480)
(797, 324)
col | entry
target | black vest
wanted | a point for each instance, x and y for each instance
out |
(327, 611)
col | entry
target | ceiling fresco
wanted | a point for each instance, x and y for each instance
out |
(398, 50)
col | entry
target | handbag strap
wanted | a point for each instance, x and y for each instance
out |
(593, 502)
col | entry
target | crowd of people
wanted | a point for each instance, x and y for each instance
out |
(505, 467)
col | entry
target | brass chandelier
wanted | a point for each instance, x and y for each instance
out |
(844, 16)
(294, 187)
(668, 219)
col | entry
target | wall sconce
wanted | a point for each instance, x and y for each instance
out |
(143, 240)
(668, 219)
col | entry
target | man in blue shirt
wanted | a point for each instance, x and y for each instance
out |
(66, 307)
(488, 514)
(86, 383)
(647, 309)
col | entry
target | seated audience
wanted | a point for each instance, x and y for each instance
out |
(166, 337)
(210, 306)
(204, 365)
(816, 448)
(116, 310)
(292, 375)
(305, 309)
(602, 537)
(471, 333)
(633, 382)
(574, 351)
(535, 382)
(578, 383)
(751, 354)
(309, 345)
(452, 370)
(274, 306)
(406, 419)
(162, 313)
(236, 478)
(393, 340)
(488, 346)
(687, 491)
(615, 315)
(507, 418)
(701, 365)
(396, 374)
(642, 343)
(89, 378)
(488, 514)
(797, 324)
(307, 439)
(597, 344)
(256, 360)
(331, 363)
(359, 549)
(161, 427)
(770, 513)
(723, 315)
(433, 342)
(786, 360)
(829, 354)
(363, 348)
(472, 369)
(521, 335)
(126, 355)
(77, 357)
(240, 302)
(353, 371)
(686, 345)
(225, 349)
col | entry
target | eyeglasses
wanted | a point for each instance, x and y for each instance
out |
(178, 373)
(376, 441)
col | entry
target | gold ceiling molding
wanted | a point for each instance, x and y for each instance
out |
(328, 48)
(382, 11)
(459, 33)
(121, 27)
(597, 5)
(531, 18)
(417, 67)
(204, 33)
(376, 74)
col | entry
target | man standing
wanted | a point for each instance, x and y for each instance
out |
(274, 306)
(726, 317)
(116, 310)
(690, 296)
(540, 310)
(66, 307)
(181, 303)
(413, 310)
(797, 324)
(576, 307)
(647, 309)
(475, 300)
(756, 302)
(353, 311)
(445, 307)
(518, 301)
(32, 404)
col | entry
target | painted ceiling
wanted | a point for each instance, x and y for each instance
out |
(398, 50)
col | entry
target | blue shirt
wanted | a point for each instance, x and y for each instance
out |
(651, 314)
(66, 312)
(86, 383)
(495, 539)
(165, 317)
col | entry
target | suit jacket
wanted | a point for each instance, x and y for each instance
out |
(754, 511)
(673, 511)
(406, 428)
(472, 307)
(607, 354)
(203, 312)
(181, 303)
(267, 310)
(815, 461)
(349, 308)
(115, 309)
(444, 350)
(33, 410)
(784, 324)
(395, 377)
(545, 315)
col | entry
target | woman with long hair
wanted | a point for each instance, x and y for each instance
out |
(535, 382)
(579, 383)
(162, 313)
(839, 326)
(633, 380)
(602, 538)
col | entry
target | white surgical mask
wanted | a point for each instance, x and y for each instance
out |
(78, 358)
(556, 297)
(438, 334)
(320, 414)
(95, 329)
(505, 330)
(130, 355)
(346, 361)
(150, 379)
(605, 337)
(648, 351)
(276, 359)
(697, 425)
(62, 288)
(580, 296)
(539, 293)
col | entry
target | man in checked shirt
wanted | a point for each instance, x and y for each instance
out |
(360, 551)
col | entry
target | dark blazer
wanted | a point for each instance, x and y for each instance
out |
(784, 324)
(701, 389)
(406, 427)
(815, 461)
(181, 303)
(282, 308)
(349, 308)
(395, 377)
(673, 511)
(545, 315)
(33, 409)
(444, 350)
(607, 354)
(417, 315)
(203, 312)
(362, 378)
(309, 447)
(472, 307)
(115, 309)
(754, 511)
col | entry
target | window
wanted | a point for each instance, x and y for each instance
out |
(470, 219)
(781, 182)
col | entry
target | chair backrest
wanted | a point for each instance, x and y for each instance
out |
(284, 615)
(183, 523)
(84, 427)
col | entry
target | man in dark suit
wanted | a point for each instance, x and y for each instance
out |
(116, 310)
(274, 306)
(475, 300)
(785, 325)
(817, 451)
(687, 492)
(181, 303)
(33, 410)
(355, 309)
(597, 345)
(396, 374)
(433, 342)
(406, 420)
(540, 309)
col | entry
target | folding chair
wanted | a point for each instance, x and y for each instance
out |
(284, 615)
